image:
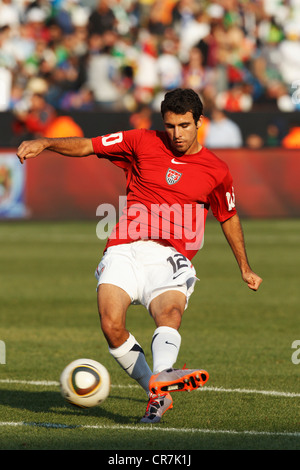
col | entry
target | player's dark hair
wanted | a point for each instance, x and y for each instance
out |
(181, 101)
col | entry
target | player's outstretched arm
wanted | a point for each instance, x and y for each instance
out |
(68, 146)
(233, 232)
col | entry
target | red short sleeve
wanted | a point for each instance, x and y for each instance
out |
(222, 199)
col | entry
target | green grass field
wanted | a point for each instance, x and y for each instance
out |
(244, 339)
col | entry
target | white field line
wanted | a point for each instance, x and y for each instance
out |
(148, 428)
(274, 393)
(151, 427)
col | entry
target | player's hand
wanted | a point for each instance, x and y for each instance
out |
(30, 149)
(253, 280)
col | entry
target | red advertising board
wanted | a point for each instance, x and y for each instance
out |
(56, 187)
(266, 181)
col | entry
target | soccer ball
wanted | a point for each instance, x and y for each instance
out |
(85, 383)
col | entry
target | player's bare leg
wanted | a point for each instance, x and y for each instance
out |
(167, 309)
(113, 303)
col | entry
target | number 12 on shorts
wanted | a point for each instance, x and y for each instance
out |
(177, 262)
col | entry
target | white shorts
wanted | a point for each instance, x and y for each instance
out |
(146, 269)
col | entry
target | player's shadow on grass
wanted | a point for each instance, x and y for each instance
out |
(53, 402)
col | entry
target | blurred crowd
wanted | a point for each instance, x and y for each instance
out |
(123, 55)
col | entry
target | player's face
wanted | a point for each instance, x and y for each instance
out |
(182, 132)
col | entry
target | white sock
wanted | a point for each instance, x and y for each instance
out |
(130, 356)
(165, 348)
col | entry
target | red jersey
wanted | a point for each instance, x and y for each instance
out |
(168, 194)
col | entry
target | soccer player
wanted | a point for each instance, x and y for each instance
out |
(171, 183)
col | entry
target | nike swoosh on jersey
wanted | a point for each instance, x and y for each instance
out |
(177, 163)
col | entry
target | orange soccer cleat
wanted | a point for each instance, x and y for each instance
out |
(157, 406)
(177, 380)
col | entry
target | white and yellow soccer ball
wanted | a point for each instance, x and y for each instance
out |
(85, 383)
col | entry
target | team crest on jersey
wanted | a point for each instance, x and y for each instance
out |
(173, 176)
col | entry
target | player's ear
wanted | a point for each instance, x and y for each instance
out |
(199, 122)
